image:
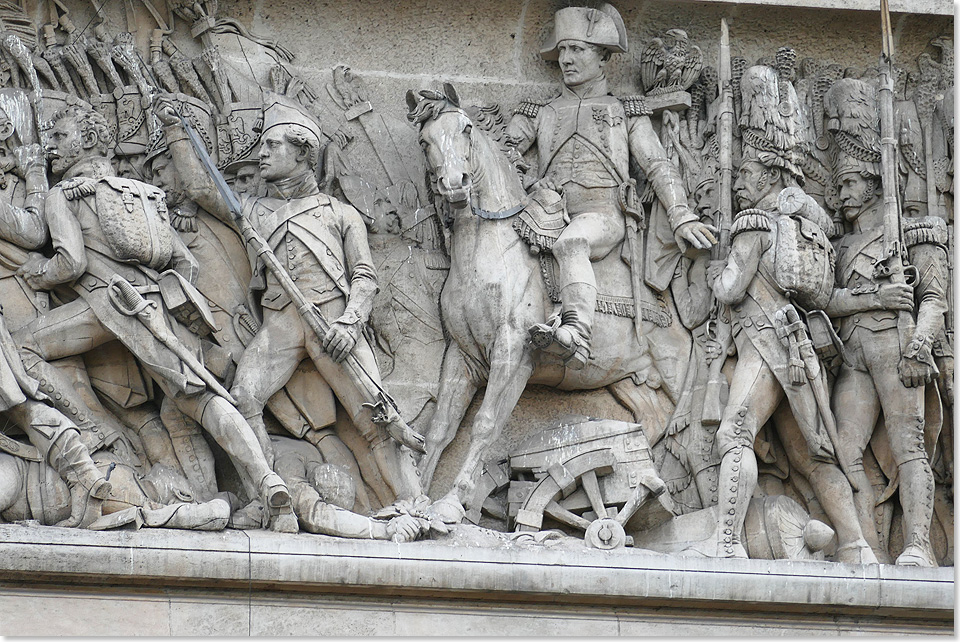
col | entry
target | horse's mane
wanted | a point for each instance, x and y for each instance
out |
(429, 107)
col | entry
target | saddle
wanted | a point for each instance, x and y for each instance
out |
(540, 224)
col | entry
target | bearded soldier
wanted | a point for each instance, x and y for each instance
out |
(110, 238)
(777, 375)
(880, 375)
(585, 141)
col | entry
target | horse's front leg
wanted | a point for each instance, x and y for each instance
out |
(511, 365)
(457, 390)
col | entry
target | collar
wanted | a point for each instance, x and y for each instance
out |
(94, 167)
(593, 89)
(294, 187)
(873, 216)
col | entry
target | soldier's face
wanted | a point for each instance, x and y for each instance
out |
(166, 178)
(706, 200)
(752, 184)
(64, 145)
(278, 156)
(580, 62)
(855, 192)
(246, 179)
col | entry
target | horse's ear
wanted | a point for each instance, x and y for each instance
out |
(411, 100)
(451, 94)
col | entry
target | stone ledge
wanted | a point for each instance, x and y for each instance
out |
(933, 7)
(258, 560)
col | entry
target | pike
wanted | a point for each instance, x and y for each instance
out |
(381, 404)
(716, 329)
(893, 264)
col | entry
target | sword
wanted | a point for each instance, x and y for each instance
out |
(131, 303)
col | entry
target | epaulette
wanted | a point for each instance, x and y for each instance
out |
(925, 230)
(75, 188)
(635, 106)
(751, 220)
(528, 108)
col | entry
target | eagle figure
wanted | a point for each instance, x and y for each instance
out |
(666, 69)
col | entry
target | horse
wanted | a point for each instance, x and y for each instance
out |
(495, 292)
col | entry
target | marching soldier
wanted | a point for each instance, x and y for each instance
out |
(778, 375)
(878, 374)
(110, 237)
(322, 244)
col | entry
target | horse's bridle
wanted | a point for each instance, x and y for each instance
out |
(477, 211)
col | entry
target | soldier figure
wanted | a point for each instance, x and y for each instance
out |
(777, 371)
(322, 244)
(585, 140)
(878, 374)
(110, 236)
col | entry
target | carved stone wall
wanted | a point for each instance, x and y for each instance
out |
(206, 163)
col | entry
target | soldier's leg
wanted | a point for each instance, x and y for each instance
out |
(265, 367)
(396, 464)
(831, 487)
(69, 330)
(192, 450)
(589, 237)
(754, 395)
(145, 421)
(903, 413)
(229, 429)
(12, 484)
(59, 441)
(856, 407)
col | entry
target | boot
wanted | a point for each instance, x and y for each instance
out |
(856, 552)
(192, 451)
(276, 500)
(569, 336)
(918, 552)
(88, 487)
(208, 516)
(916, 497)
(737, 479)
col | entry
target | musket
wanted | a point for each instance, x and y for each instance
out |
(893, 263)
(382, 405)
(717, 329)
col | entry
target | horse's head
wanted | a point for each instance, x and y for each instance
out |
(446, 133)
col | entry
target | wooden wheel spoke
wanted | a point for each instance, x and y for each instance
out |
(592, 487)
(561, 514)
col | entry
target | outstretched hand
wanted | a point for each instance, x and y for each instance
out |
(699, 235)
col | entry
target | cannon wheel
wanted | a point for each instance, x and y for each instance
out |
(583, 471)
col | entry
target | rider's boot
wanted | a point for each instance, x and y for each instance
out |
(569, 336)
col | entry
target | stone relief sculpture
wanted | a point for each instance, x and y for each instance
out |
(249, 302)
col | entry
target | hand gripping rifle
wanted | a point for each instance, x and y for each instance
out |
(718, 330)
(382, 405)
(892, 265)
